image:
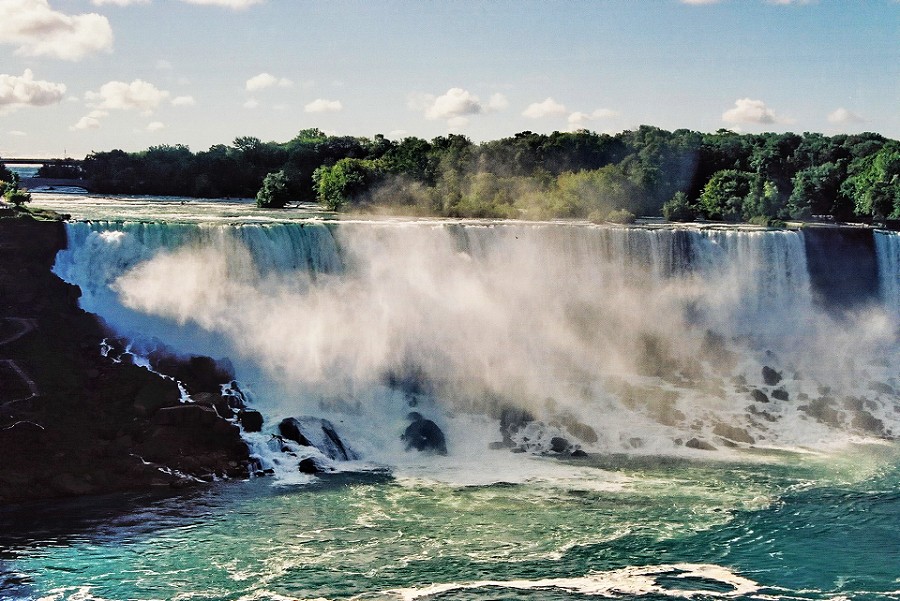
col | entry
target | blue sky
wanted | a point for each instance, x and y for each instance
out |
(84, 75)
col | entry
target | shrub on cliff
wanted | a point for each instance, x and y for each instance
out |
(274, 193)
(13, 194)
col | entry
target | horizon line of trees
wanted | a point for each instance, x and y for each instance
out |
(680, 175)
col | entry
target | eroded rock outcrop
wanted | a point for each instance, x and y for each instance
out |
(91, 425)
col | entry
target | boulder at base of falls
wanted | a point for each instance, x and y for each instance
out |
(309, 466)
(251, 420)
(770, 376)
(732, 433)
(781, 394)
(513, 419)
(316, 432)
(759, 396)
(424, 435)
(702, 445)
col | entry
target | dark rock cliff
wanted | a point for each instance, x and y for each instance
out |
(73, 422)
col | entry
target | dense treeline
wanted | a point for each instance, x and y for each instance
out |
(649, 171)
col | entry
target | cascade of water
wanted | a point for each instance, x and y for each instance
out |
(887, 245)
(636, 333)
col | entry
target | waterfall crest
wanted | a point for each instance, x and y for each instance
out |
(642, 339)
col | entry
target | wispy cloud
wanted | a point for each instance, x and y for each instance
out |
(117, 95)
(546, 108)
(266, 80)
(183, 101)
(90, 121)
(118, 2)
(38, 30)
(747, 110)
(579, 120)
(842, 116)
(17, 91)
(235, 4)
(323, 105)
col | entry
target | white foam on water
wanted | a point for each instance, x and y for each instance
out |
(635, 581)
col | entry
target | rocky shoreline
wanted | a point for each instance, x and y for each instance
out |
(74, 421)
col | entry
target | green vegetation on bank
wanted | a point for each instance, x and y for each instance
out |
(10, 190)
(680, 175)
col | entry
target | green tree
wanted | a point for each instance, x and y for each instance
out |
(274, 193)
(15, 195)
(343, 182)
(679, 208)
(724, 194)
(874, 183)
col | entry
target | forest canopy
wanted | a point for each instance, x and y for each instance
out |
(649, 171)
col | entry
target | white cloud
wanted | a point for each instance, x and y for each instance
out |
(90, 121)
(547, 108)
(17, 132)
(251, 104)
(38, 30)
(457, 123)
(497, 102)
(455, 103)
(20, 91)
(155, 126)
(164, 65)
(137, 95)
(843, 116)
(397, 134)
(183, 101)
(747, 110)
(579, 120)
(235, 4)
(266, 80)
(118, 2)
(322, 105)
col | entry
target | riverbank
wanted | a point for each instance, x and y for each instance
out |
(73, 422)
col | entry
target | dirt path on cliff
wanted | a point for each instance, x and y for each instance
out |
(26, 325)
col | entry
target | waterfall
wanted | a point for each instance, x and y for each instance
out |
(887, 245)
(656, 335)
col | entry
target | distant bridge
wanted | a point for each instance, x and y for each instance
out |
(19, 161)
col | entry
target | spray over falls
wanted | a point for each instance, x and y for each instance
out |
(612, 339)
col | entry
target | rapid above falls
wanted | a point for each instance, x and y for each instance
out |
(644, 339)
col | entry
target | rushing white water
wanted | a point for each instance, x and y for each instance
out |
(634, 339)
(887, 245)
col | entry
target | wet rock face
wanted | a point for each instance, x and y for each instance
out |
(251, 420)
(319, 433)
(94, 426)
(770, 376)
(197, 373)
(424, 435)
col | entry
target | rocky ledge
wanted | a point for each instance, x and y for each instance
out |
(74, 421)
